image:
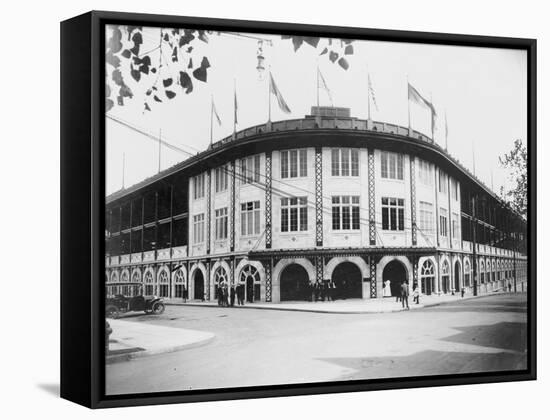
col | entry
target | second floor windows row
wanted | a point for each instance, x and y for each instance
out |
(391, 165)
(294, 214)
(345, 162)
(294, 163)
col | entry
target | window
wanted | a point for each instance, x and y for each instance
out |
(393, 213)
(345, 212)
(221, 178)
(164, 284)
(427, 277)
(198, 186)
(294, 214)
(179, 281)
(425, 172)
(426, 217)
(454, 226)
(442, 182)
(221, 223)
(250, 169)
(293, 163)
(345, 162)
(198, 228)
(454, 189)
(250, 218)
(443, 222)
(467, 273)
(391, 165)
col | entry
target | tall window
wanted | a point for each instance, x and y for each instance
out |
(393, 213)
(442, 182)
(293, 163)
(221, 223)
(293, 214)
(467, 273)
(454, 225)
(250, 169)
(454, 189)
(250, 218)
(425, 172)
(198, 228)
(443, 222)
(391, 165)
(164, 284)
(221, 178)
(198, 186)
(345, 212)
(426, 217)
(345, 162)
(427, 277)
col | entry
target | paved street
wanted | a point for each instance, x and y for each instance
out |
(265, 347)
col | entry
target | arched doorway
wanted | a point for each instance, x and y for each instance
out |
(347, 279)
(427, 277)
(198, 282)
(294, 283)
(396, 273)
(457, 276)
(250, 278)
(445, 277)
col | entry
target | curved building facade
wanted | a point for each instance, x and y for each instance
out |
(284, 205)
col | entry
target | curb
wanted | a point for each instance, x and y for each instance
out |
(145, 353)
(339, 312)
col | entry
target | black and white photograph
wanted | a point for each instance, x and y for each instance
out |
(285, 209)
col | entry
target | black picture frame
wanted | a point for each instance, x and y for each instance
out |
(83, 201)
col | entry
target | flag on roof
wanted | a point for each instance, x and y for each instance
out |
(321, 83)
(275, 91)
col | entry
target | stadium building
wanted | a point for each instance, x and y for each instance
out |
(286, 204)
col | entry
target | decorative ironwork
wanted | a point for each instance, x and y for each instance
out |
(372, 210)
(372, 277)
(319, 268)
(207, 280)
(319, 196)
(268, 215)
(232, 273)
(413, 202)
(232, 210)
(267, 268)
(208, 210)
(415, 270)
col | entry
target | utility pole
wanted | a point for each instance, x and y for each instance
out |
(474, 244)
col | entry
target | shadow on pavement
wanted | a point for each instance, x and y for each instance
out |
(503, 335)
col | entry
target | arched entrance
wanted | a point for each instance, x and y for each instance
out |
(198, 283)
(427, 277)
(294, 283)
(347, 279)
(250, 278)
(396, 273)
(457, 276)
(445, 277)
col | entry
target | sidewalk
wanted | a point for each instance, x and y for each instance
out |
(348, 306)
(131, 340)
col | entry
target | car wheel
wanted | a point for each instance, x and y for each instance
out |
(158, 308)
(111, 312)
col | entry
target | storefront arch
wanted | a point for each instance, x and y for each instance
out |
(281, 265)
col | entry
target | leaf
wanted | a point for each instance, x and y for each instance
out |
(120, 100)
(107, 90)
(186, 82)
(175, 55)
(137, 38)
(126, 53)
(324, 51)
(333, 56)
(153, 70)
(166, 36)
(200, 73)
(147, 107)
(114, 44)
(348, 50)
(190, 66)
(112, 59)
(186, 38)
(343, 63)
(203, 36)
(109, 104)
(117, 78)
(167, 82)
(170, 94)
(189, 49)
(144, 69)
(135, 74)
(125, 92)
(135, 49)
(297, 41)
(313, 41)
(156, 98)
(149, 91)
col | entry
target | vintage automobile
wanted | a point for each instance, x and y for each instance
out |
(127, 297)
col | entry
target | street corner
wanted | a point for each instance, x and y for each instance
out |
(130, 340)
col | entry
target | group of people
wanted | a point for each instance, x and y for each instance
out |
(403, 295)
(322, 291)
(226, 295)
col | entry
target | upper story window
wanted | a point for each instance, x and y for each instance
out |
(454, 225)
(250, 169)
(442, 182)
(345, 162)
(393, 213)
(221, 178)
(293, 163)
(345, 212)
(425, 172)
(294, 214)
(221, 223)
(198, 228)
(198, 186)
(426, 217)
(391, 165)
(454, 189)
(443, 222)
(250, 218)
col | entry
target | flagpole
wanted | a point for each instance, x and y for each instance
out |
(368, 95)
(432, 115)
(234, 106)
(446, 133)
(160, 136)
(211, 119)
(408, 103)
(317, 88)
(474, 157)
(269, 96)
(123, 167)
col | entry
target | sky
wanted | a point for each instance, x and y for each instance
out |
(482, 92)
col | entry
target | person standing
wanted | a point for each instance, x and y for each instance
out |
(416, 294)
(225, 296)
(405, 294)
(232, 296)
(184, 294)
